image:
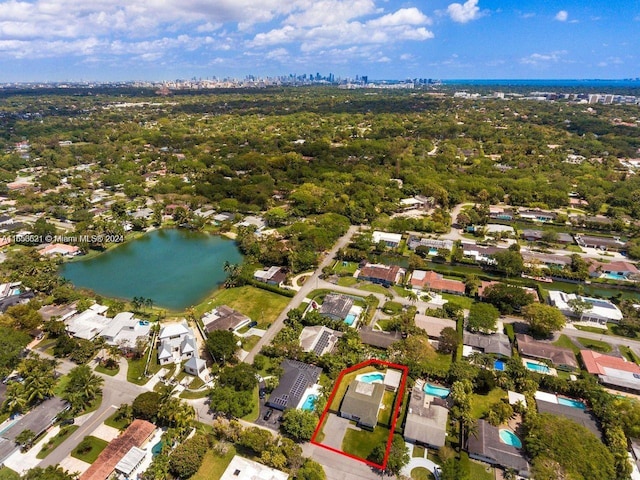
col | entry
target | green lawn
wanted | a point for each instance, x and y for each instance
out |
(362, 442)
(347, 281)
(345, 267)
(119, 424)
(418, 451)
(597, 345)
(442, 361)
(628, 354)
(249, 342)
(135, 372)
(480, 471)
(253, 414)
(373, 288)
(61, 385)
(213, 466)
(565, 342)
(421, 473)
(384, 416)
(97, 445)
(403, 292)
(602, 331)
(51, 445)
(94, 405)
(464, 302)
(7, 474)
(107, 371)
(260, 305)
(480, 403)
(194, 395)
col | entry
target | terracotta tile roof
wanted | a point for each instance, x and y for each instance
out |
(134, 436)
(596, 363)
(435, 281)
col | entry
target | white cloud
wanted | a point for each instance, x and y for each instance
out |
(406, 56)
(562, 16)
(537, 59)
(463, 13)
(404, 16)
(323, 12)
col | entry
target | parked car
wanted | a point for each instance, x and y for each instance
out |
(262, 393)
(267, 415)
(253, 324)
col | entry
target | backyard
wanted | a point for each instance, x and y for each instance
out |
(213, 465)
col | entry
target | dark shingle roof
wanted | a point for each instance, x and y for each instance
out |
(581, 417)
(532, 348)
(336, 305)
(296, 379)
(486, 443)
(378, 339)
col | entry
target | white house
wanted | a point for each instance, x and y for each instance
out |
(125, 330)
(391, 240)
(89, 323)
(177, 343)
(599, 311)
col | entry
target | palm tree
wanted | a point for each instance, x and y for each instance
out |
(148, 303)
(137, 303)
(84, 386)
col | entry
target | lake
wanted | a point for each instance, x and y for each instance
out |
(174, 268)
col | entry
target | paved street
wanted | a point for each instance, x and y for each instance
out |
(309, 285)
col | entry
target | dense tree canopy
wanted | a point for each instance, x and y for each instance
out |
(543, 319)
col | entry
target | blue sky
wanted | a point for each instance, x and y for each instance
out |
(72, 40)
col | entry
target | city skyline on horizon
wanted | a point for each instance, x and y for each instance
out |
(153, 40)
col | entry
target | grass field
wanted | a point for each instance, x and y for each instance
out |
(345, 267)
(628, 354)
(253, 414)
(362, 442)
(418, 451)
(347, 281)
(135, 371)
(480, 471)
(565, 342)
(119, 424)
(586, 328)
(107, 371)
(384, 416)
(421, 473)
(480, 403)
(464, 302)
(213, 466)
(249, 342)
(96, 446)
(597, 345)
(259, 305)
(375, 289)
(51, 445)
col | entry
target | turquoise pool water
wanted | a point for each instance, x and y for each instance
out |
(571, 403)
(510, 438)
(614, 276)
(372, 377)
(499, 365)
(433, 251)
(436, 391)
(309, 403)
(157, 448)
(350, 319)
(536, 367)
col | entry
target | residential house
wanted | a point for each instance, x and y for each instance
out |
(377, 338)
(392, 379)
(601, 243)
(563, 358)
(89, 323)
(319, 339)
(336, 306)
(271, 275)
(361, 403)
(429, 280)
(496, 344)
(391, 240)
(252, 221)
(486, 446)
(599, 311)
(241, 468)
(224, 318)
(417, 202)
(134, 437)
(426, 421)
(386, 275)
(125, 331)
(414, 242)
(549, 403)
(60, 312)
(480, 254)
(61, 249)
(536, 259)
(501, 213)
(433, 325)
(612, 371)
(619, 270)
(538, 235)
(297, 377)
(197, 367)
(177, 343)
(537, 215)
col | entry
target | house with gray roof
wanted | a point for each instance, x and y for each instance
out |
(496, 343)
(361, 403)
(379, 339)
(319, 339)
(295, 380)
(336, 306)
(224, 318)
(487, 447)
(426, 422)
(580, 416)
(177, 343)
(563, 358)
(124, 330)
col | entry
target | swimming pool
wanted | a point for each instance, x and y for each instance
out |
(537, 367)
(499, 365)
(157, 448)
(510, 438)
(613, 276)
(309, 403)
(433, 251)
(569, 402)
(436, 391)
(350, 319)
(372, 377)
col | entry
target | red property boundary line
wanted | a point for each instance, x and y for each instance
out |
(394, 418)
